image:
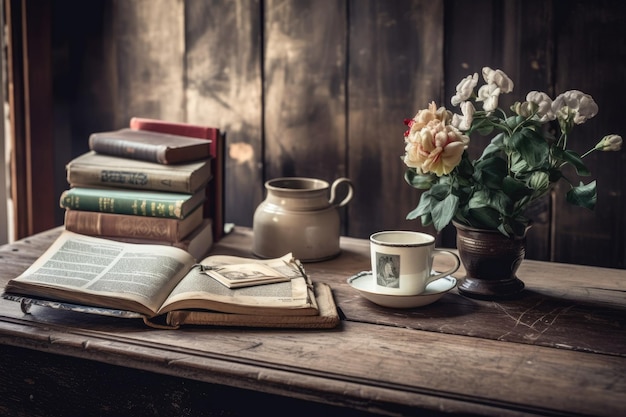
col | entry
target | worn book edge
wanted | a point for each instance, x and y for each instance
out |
(327, 318)
(215, 189)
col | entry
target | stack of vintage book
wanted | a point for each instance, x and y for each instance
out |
(155, 182)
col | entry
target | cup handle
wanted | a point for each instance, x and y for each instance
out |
(457, 265)
(333, 189)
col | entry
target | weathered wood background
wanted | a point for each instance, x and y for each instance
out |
(320, 88)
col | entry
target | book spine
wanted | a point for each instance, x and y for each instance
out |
(128, 205)
(174, 128)
(163, 180)
(215, 188)
(117, 225)
(110, 145)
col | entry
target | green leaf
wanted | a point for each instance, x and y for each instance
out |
(531, 146)
(514, 188)
(506, 231)
(495, 146)
(490, 172)
(485, 130)
(501, 202)
(465, 169)
(575, 159)
(443, 211)
(485, 217)
(422, 208)
(583, 195)
(518, 164)
(513, 121)
(518, 227)
(439, 191)
(419, 181)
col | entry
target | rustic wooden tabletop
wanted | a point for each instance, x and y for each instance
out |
(559, 349)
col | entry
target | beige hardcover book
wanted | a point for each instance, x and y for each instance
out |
(94, 169)
(156, 280)
(148, 229)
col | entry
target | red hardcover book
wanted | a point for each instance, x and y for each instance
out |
(214, 209)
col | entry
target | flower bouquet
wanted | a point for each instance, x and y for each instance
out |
(523, 160)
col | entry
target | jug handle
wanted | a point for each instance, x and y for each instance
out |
(333, 189)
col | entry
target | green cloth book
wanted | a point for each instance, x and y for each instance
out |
(136, 202)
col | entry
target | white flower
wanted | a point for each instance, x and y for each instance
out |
(499, 78)
(524, 109)
(610, 143)
(464, 122)
(464, 89)
(489, 94)
(544, 113)
(576, 105)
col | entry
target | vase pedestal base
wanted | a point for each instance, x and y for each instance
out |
(491, 261)
(491, 289)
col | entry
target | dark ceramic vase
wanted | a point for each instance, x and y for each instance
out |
(491, 261)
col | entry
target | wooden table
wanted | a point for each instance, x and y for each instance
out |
(558, 350)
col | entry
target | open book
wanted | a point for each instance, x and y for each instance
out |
(166, 287)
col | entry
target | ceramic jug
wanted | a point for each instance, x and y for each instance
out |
(299, 215)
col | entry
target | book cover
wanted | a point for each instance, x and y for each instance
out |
(214, 208)
(151, 146)
(135, 202)
(92, 168)
(153, 229)
(155, 281)
(197, 243)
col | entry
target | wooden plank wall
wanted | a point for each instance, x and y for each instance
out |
(320, 88)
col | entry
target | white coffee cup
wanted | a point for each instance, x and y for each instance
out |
(402, 261)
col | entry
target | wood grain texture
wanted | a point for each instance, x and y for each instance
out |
(30, 96)
(373, 362)
(304, 86)
(561, 306)
(400, 45)
(582, 63)
(224, 88)
(150, 59)
(320, 88)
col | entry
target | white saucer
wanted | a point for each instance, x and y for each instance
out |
(364, 283)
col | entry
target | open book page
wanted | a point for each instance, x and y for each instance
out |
(100, 272)
(199, 290)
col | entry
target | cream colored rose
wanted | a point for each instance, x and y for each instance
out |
(436, 148)
(425, 116)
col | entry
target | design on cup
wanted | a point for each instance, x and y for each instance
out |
(388, 271)
(402, 261)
